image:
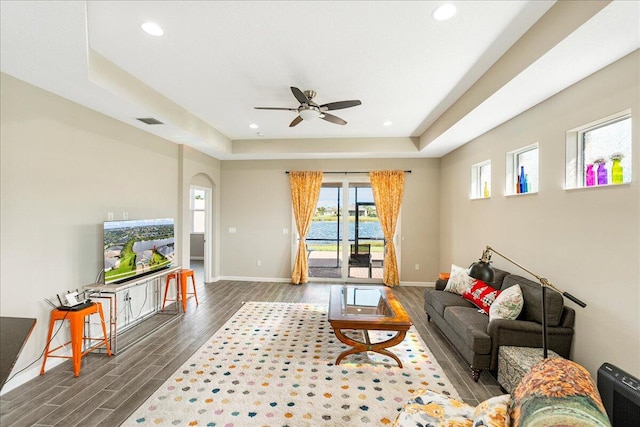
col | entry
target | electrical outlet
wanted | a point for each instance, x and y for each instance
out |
(259, 263)
(417, 266)
(110, 216)
(125, 215)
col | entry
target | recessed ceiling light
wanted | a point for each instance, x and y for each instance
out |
(152, 28)
(387, 123)
(444, 12)
(253, 126)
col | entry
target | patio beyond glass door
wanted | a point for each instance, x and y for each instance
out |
(358, 256)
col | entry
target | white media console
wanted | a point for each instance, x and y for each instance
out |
(128, 304)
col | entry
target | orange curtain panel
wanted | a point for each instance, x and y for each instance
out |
(387, 187)
(305, 190)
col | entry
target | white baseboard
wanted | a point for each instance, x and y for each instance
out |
(419, 284)
(29, 374)
(288, 280)
(256, 279)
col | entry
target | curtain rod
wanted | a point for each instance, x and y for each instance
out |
(346, 172)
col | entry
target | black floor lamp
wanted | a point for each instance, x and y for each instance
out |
(482, 270)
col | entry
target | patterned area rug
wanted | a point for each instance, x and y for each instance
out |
(272, 364)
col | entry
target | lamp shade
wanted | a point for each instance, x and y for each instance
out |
(481, 270)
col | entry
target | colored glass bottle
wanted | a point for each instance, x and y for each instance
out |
(525, 187)
(486, 189)
(518, 186)
(522, 179)
(602, 174)
(616, 172)
(590, 179)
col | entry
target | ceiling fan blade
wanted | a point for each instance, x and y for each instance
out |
(301, 97)
(295, 121)
(340, 105)
(275, 108)
(333, 119)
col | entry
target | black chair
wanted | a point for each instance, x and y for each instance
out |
(360, 257)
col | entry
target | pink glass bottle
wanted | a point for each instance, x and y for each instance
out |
(590, 176)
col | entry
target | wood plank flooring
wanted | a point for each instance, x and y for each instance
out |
(108, 390)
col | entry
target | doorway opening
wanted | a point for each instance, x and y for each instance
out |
(200, 207)
(346, 244)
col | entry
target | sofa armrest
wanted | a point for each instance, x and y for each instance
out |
(568, 317)
(441, 284)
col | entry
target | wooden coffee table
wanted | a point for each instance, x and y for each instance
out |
(367, 308)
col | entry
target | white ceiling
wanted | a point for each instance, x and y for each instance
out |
(217, 60)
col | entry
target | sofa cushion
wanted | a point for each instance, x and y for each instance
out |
(471, 326)
(440, 300)
(532, 293)
(459, 280)
(481, 295)
(498, 278)
(493, 412)
(427, 408)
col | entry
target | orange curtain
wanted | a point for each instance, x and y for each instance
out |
(305, 190)
(387, 187)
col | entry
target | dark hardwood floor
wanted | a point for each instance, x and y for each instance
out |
(108, 390)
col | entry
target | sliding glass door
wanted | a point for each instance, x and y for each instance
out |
(345, 241)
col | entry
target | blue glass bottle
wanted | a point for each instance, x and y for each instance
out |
(522, 178)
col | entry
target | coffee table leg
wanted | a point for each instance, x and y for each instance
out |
(359, 347)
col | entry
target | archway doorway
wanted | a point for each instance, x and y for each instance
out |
(201, 229)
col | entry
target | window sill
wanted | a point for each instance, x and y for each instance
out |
(521, 194)
(480, 198)
(598, 186)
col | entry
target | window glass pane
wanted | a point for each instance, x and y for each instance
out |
(197, 210)
(198, 204)
(529, 160)
(485, 181)
(603, 142)
(198, 222)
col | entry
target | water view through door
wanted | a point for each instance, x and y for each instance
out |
(359, 255)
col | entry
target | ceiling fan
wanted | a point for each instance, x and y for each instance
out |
(309, 110)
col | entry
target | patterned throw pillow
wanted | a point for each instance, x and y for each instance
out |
(493, 412)
(459, 280)
(481, 295)
(508, 304)
(427, 408)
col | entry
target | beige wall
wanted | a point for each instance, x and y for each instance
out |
(63, 168)
(257, 203)
(586, 242)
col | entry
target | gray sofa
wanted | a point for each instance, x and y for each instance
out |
(478, 341)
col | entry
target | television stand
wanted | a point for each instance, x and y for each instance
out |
(117, 294)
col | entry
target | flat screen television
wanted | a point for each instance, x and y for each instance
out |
(137, 247)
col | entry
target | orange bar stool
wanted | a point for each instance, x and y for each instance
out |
(170, 276)
(181, 290)
(76, 324)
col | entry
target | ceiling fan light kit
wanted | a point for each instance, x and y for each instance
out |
(309, 110)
